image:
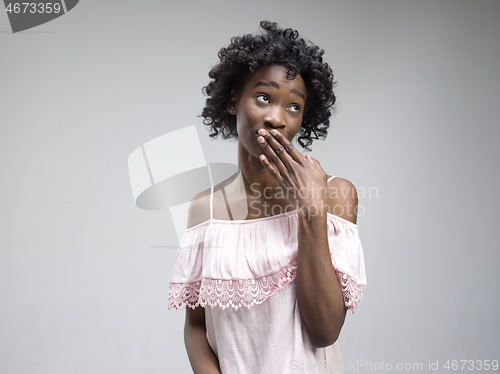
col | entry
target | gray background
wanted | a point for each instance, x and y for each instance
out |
(84, 273)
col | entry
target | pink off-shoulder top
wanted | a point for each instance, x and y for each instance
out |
(243, 273)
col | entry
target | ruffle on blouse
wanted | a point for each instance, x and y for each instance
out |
(222, 263)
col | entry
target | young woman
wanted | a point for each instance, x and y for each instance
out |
(271, 260)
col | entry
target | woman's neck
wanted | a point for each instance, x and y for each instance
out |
(255, 176)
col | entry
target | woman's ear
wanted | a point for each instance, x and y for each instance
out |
(232, 102)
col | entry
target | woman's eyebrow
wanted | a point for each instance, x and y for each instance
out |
(264, 83)
(298, 93)
(275, 85)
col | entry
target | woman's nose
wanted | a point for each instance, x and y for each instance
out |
(275, 117)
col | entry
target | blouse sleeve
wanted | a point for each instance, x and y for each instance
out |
(347, 258)
(186, 277)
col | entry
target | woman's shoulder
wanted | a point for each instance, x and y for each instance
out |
(342, 198)
(340, 184)
(199, 208)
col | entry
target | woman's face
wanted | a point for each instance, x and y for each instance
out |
(269, 101)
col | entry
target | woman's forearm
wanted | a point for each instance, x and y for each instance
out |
(203, 360)
(319, 295)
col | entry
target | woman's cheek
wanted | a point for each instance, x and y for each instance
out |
(250, 113)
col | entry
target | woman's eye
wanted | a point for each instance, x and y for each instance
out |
(294, 108)
(263, 99)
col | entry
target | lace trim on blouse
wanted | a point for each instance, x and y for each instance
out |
(249, 292)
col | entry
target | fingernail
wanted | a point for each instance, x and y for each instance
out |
(274, 132)
(262, 132)
(260, 139)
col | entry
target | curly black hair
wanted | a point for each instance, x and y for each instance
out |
(247, 54)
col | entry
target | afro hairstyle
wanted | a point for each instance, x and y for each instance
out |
(249, 53)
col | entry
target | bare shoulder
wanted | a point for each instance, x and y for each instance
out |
(343, 199)
(199, 209)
